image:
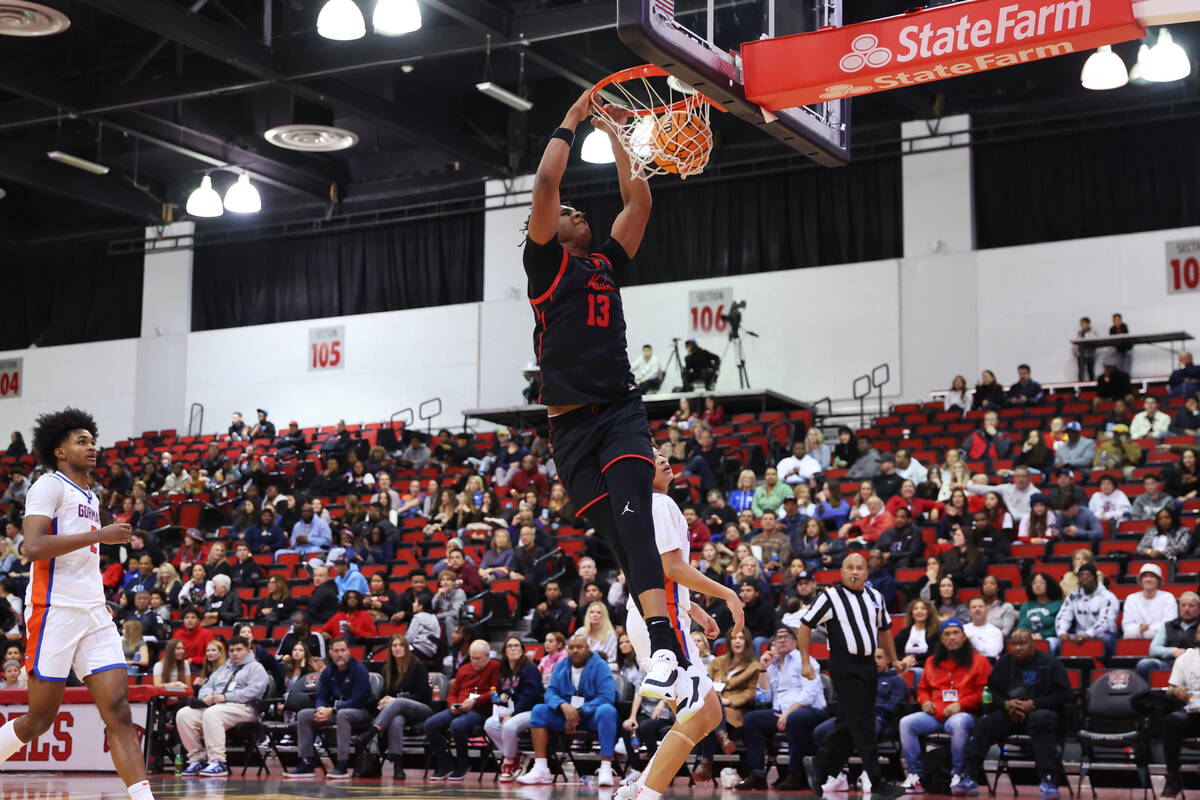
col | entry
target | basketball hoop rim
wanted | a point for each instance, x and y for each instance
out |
(650, 71)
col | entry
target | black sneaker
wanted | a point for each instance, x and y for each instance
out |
(459, 773)
(1172, 787)
(790, 783)
(886, 791)
(397, 769)
(339, 772)
(753, 783)
(307, 768)
(815, 780)
(440, 774)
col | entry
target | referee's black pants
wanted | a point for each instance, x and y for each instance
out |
(855, 680)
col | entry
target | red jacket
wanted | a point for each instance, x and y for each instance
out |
(871, 528)
(361, 624)
(522, 480)
(468, 681)
(698, 534)
(967, 681)
(916, 506)
(195, 642)
(469, 578)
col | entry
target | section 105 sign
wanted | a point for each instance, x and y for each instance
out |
(326, 348)
(705, 309)
(1183, 266)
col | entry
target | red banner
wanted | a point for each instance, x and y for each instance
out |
(928, 45)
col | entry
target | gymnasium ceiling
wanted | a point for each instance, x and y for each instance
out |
(163, 90)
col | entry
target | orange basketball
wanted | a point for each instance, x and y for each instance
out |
(682, 142)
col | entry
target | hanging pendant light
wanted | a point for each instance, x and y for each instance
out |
(341, 20)
(1168, 61)
(204, 200)
(597, 149)
(1104, 70)
(396, 17)
(242, 197)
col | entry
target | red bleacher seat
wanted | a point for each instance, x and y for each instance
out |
(1133, 648)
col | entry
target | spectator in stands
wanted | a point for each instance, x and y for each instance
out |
(1085, 355)
(552, 614)
(579, 597)
(245, 574)
(797, 707)
(1174, 638)
(405, 701)
(880, 578)
(528, 476)
(517, 691)
(887, 483)
(1078, 452)
(950, 694)
(814, 445)
(352, 620)
(1179, 725)
(1016, 495)
(323, 602)
(706, 461)
(964, 561)
(16, 447)
(1145, 612)
(498, 558)
(214, 657)
(197, 589)
(941, 590)
(581, 676)
(383, 485)
(866, 461)
(1166, 538)
(217, 563)
(1117, 450)
(193, 636)
(416, 455)
(1089, 612)
(1110, 505)
(466, 574)
(989, 395)
(172, 671)
(792, 519)
(168, 582)
(647, 372)
(958, 396)
(301, 632)
(448, 602)
(1026, 391)
(1152, 500)
(1034, 454)
(800, 466)
(909, 469)
(190, 552)
(291, 442)
(331, 482)
(736, 675)
(555, 649)
(137, 652)
(833, 510)
(223, 607)
(770, 496)
(1078, 522)
(903, 545)
(264, 428)
(742, 498)
(310, 534)
(597, 627)
(383, 603)
(343, 696)
(999, 613)
(1184, 381)
(229, 696)
(1122, 352)
(176, 482)
(1183, 479)
(957, 512)
(1187, 421)
(359, 480)
(718, 513)
(277, 604)
(993, 526)
(1065, 486)
(868, 529)
(1113, 383)
(916, 640)
(773, 541)
(907, 499)
(699, 366)
(153, 627)
(1070, 581)
(1150, 422)
(987, 443)
(986, 638)
(1039, 612)
(845, 452)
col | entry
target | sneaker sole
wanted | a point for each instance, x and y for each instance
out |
(345, 777)
(305, 775)
(211, 775)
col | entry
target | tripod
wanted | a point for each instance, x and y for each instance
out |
(674, 359)
(736, 340)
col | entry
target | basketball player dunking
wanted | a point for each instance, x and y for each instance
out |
(68, 622)
(598, 426)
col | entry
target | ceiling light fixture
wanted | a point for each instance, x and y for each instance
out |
(311, 138)
(396, 17)
(77, 162)
(341, 20)
(2, 193)
(1168, 61)
(597, 149)
(22, 18)
(204, 200)
(498, 92)
(1104, 70)
(242, 197)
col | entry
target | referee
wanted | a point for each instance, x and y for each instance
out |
(857, 621)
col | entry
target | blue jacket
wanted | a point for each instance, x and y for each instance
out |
(891, 691)
(348, 688)
(596, 685)
(267, 540)
(883, 582)
(353, 580)
(1085, 521)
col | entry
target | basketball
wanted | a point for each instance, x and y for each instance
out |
(683, 141)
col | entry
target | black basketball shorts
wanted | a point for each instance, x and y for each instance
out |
(587, 441)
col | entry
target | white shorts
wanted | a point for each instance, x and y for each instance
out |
(639, 637)
(62, 638)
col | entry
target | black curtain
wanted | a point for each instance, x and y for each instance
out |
(808, 217)
(70, 292)
(413, 265)
(1087, 183)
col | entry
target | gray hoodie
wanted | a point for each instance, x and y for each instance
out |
(240, 683)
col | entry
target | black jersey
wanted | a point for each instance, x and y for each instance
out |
(579, 323)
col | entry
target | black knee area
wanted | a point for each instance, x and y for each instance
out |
(630, 483)
(600, 515)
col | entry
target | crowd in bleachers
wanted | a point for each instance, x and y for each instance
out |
(392, 587)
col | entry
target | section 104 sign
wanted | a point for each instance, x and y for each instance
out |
(327, 348)
(10, 377)
(705, 309)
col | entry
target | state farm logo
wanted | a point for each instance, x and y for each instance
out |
(865, 51)
(840, 90)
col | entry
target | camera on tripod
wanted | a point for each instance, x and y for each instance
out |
(734, 318)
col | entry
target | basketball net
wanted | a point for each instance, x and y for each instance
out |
(665, 125)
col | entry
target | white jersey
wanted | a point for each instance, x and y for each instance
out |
(670, 533)
(71, 580)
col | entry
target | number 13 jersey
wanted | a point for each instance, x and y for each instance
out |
(579, 323)
(71, 580)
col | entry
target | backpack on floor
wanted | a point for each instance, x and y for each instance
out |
(935, 769)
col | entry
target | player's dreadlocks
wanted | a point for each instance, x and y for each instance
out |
(51, 430)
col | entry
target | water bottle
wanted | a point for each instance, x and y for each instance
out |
(635, 743)
(178, 764)
(437, 692)
(987, 696)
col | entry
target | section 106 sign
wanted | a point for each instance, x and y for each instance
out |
(326, 348)
(1183, 266)
(705, 309)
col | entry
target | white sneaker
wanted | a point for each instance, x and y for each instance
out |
(838, 784)
(912, 784)
(604, 775)
(691, 690)
(619, 747)
(662, 673)
(536, 775)
(627, 791)
(631, 776)
(864, 783)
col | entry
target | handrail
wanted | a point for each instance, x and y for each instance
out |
(861, 397)
(195, 428)
(429, 418)
(412, 417)
(879, 384)
(818, 418)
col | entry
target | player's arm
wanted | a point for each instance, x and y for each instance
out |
(40, 544)
(683, 573)
(543, 216)
(630, 225)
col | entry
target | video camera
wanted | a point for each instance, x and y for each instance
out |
(734, 318)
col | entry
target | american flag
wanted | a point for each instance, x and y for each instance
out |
(666, 8)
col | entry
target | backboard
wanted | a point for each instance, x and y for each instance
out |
(699, 41)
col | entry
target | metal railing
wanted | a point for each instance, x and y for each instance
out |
(195, 426)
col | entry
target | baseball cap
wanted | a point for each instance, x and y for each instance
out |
(804, 575)
(1153, 569)
(1039, 498)
(791, 498)
(953, 622)
(499, 431)
(1074, 425)
(293, 422)
(749, 582)
(887, 457)
(1064, 471)
(1120, 428)
(262, 411)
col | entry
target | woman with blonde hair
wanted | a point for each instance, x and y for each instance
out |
(858, 507)
(953, 456)
(168, 581)
(742, 498)
(172, 670)
(598, 628)
(214, 659)
(217, 563)
(958, 478)
(814, 443)
(353, 511)
(137, 652)
(1070, 581)
(498, 558)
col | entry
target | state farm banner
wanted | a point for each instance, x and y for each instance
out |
(927, 45)
(76, 742)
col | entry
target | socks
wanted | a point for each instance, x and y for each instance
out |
(662, 637)
(540, 763)
(646, 793)
(10, 743)
(140, 791)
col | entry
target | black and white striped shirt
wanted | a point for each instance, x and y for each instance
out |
(853, 619)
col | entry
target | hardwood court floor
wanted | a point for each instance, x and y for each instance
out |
(83, 786)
